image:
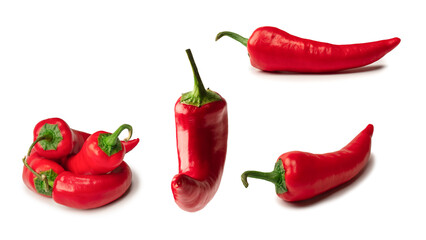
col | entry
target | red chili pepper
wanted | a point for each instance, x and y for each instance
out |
(271, 49)
(101, 153)
(128, 144)
(39, 173)
(91, 191)
(48, 178)
(54, 139)
(201, 132)
(301, 175)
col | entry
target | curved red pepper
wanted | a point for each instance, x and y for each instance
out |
(91, 191)
(73, 190)
(271, 49)
(301, 175)
(42, 168)
(101, 153)
(54, 139)
(201, 134)
(128, 144)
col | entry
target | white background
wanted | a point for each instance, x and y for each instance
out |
(99, 64)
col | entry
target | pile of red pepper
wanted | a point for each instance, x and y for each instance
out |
(78, 169)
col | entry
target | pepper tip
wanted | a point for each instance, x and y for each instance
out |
(369, 129)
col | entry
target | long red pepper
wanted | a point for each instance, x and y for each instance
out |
(301, 175)
(271, 49)
(101, 153)
(91, 191)
(54, 139)
(48, 178)
(201, 133)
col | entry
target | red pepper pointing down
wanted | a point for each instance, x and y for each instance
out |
(201, 132)
(301, 175)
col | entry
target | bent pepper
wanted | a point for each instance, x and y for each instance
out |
(201, 118)
(47, 178)
(301, 175)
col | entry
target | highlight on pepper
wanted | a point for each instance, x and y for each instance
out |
(78, 169)
(274, 50)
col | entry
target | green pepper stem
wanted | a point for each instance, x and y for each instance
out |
(112, 139)
(272, 177)
(199, 95)
(276, 177)
(199, 89)
(232, 35)
(45, 137)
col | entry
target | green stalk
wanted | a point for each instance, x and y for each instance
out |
(199, 95)
(233, 35)
(113, 138)
(277, 177)
(109, 143)
(41, 177)
(45, 137)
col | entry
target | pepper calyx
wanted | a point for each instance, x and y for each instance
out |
(109, 142)
(44, 185)
(277, 177)
(49, 136)
(109, 149)
(280, 186)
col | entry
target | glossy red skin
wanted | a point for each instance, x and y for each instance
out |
(91, 191)
(71, 143)
(129, 145)
(91, 159)
(38, 164)
(272, 49)
(308, 175)
(201, 135)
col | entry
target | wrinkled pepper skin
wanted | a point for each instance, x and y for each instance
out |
(274, 50)
(201, 118)
(91, 191)
(307, 175)
(201, 134)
